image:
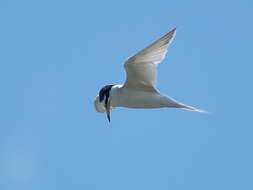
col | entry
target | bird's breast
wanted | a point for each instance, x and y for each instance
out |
(137, 99)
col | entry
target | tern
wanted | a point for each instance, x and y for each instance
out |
(139, 89)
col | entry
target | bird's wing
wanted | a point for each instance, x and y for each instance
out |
(141, 69)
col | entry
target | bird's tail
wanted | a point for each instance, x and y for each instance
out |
(176, 104)
(191, 108)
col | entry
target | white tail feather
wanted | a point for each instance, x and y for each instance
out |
(191, 108)
(173, 103)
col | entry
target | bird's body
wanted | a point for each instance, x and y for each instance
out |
(134, 98)
(139, 90)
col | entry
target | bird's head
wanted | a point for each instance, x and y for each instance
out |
(102, 101)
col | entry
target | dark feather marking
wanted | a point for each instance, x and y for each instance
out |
(105, 93)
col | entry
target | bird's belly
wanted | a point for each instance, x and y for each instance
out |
(139, 99)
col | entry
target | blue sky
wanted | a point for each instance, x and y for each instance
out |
(55, 56)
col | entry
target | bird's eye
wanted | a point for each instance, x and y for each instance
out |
(101, 96)
(104, 92)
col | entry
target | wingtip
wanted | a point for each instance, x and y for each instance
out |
(173, 30)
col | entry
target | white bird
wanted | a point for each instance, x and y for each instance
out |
(139, 89)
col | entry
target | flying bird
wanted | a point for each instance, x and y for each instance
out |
(139, 89)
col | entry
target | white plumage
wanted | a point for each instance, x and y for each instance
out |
(139, 89)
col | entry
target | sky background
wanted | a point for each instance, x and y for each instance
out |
(55, 55)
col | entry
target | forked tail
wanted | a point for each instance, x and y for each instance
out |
(191, 108)
(176, 104)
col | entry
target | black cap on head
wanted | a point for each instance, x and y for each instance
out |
(104, 93)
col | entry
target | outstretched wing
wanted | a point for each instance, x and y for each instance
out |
(141, 69)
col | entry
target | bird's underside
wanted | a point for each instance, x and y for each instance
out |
(132, 98)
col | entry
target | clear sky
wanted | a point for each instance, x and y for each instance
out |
(54, 57)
